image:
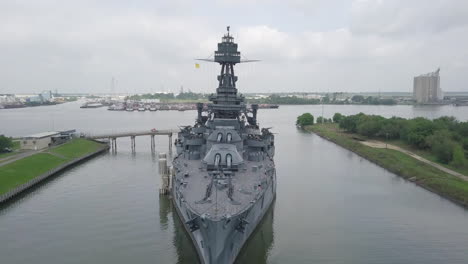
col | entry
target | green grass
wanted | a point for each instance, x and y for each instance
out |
(76, 148)
(400, 164)
(425, 154)
(7, 154)
(23, 170)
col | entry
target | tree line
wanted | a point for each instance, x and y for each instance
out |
(445, 137)
(307, 119)
(356, 99)
(292, 100)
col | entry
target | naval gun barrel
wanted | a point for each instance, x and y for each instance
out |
(254, 113)
(199, 110)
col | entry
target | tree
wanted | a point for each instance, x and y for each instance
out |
(305, 119)
(349, 123)
(462, 129)
(465, 143)
(337, 117)
(369, 125)
(446, 122)
(320, 120)
(416, 131)
(458, 157)
(391, 128)
(387, 101)
(357, 99)
(441, 145)
(443, 151)
(5, 142)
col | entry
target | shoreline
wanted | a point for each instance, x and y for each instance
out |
(407, 167)
(58, 169)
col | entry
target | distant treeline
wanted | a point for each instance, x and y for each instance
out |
(276, 99)
(445, 137)
(370, 100)
(169, 96)
(357, 99)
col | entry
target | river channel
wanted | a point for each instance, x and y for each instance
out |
(332, 206)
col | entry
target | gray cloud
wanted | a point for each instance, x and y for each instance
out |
(77, 46)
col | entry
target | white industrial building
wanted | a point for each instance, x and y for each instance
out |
(426, 88)
(38, 141)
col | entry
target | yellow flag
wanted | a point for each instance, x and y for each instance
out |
(197, 65)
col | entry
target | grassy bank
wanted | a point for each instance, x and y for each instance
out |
(425, 154)
(400, 164)
(23, 170)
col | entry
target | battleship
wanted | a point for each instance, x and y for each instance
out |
(224, 176)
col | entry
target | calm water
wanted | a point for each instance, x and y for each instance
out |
(332, 206)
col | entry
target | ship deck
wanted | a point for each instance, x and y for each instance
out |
(246, 186)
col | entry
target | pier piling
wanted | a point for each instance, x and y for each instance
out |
(132, 143)
(170, 145)
(165, 173)
(153, 145)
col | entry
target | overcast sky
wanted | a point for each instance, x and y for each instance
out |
(304, 45)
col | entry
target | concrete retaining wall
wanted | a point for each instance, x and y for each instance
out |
(38, 179)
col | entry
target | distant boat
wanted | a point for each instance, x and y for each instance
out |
(116, 107)
(91, 105)
(141, 109)
(119, 107)
(129, 109)
(152, 108)
(268, 106)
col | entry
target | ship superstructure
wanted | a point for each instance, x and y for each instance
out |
(224, 174)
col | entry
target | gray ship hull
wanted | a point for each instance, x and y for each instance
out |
(218, 242)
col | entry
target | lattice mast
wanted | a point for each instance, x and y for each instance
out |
(226, 102)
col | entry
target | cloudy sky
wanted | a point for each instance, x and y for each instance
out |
(304, 45)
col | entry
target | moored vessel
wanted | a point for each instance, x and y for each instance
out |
(224, 174)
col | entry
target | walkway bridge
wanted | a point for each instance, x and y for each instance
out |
(112, 137)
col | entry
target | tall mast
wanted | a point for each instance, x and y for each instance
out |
(226, 102)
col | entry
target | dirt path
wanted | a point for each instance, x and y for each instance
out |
(27, 153)
(16, 157)
(378, 144)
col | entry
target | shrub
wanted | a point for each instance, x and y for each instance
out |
(416, 131)
(458, 158)
(5, 142)
(369, 125)
(349, 123)
(305, 119)
(337, 117)
(441, 145)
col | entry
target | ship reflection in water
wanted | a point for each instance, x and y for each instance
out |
(256, 250)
